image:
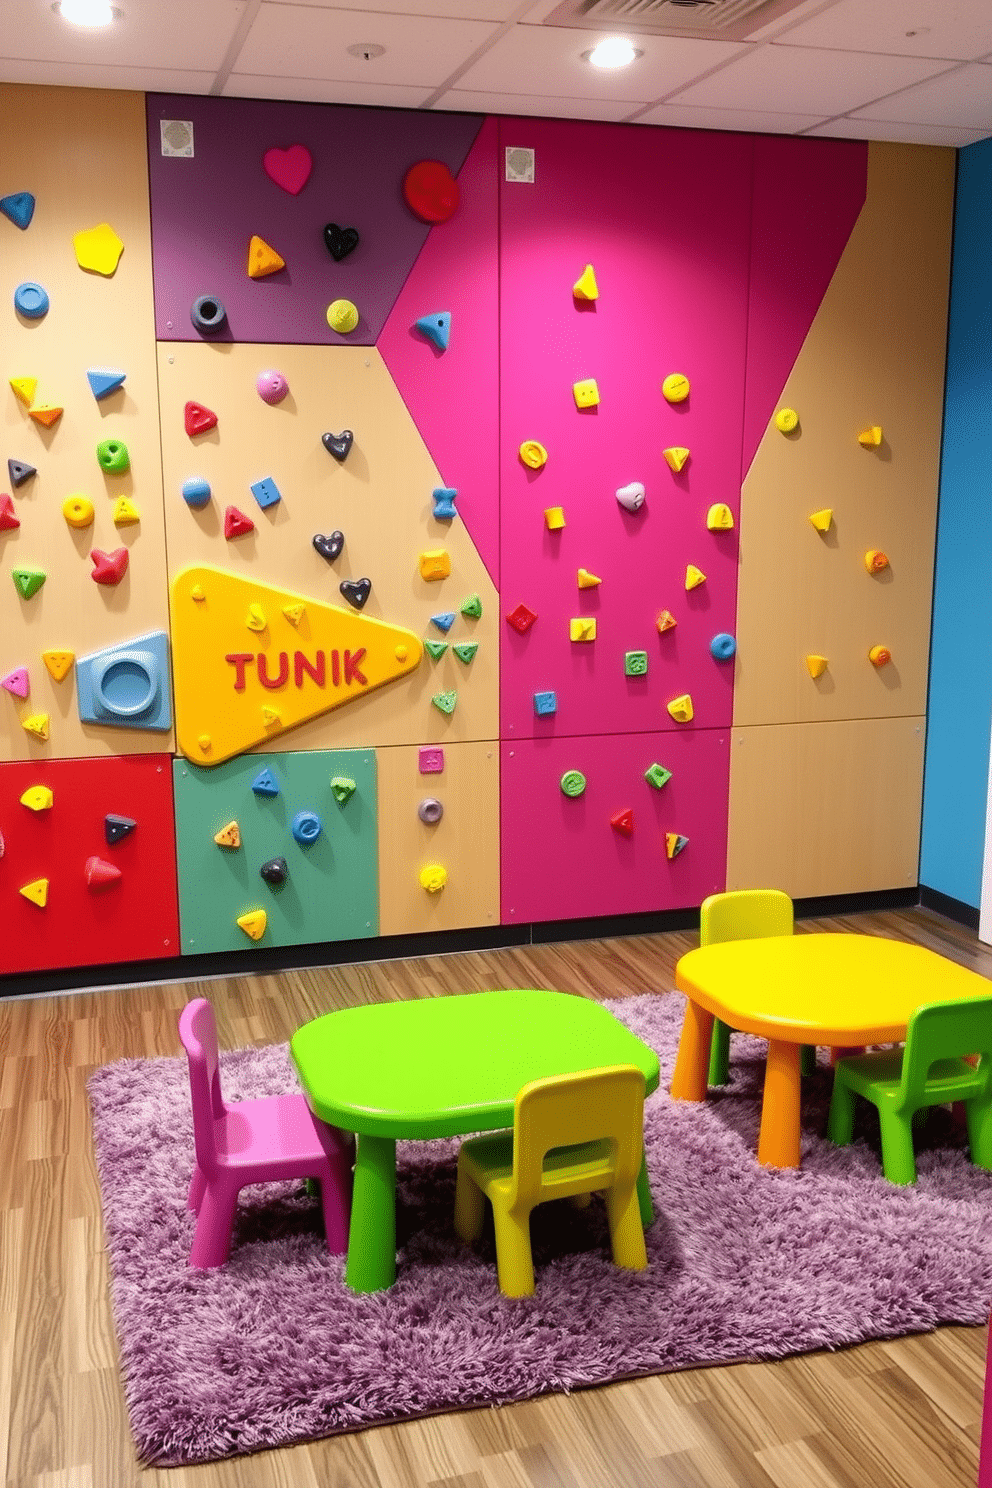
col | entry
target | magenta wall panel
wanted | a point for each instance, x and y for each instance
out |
(205, 210)
(453, 395)
(664, 218)
(807, 196)
(561, 858)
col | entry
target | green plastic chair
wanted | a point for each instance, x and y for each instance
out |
(744, 914)
(931, 1070)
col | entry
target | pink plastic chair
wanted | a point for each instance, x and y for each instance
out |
(254, 1141)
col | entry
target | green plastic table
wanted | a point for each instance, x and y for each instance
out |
(442, 1067)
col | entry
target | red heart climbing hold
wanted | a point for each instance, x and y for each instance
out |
(290, 168)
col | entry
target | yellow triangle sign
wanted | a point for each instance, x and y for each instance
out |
(25, 389)
(262, 259)
(234, 686)
(58, 663)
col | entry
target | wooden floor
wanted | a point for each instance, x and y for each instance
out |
(886, 1415)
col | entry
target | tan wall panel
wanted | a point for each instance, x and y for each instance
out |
(465, 841)
(826, 808)
(379, 497)
(874, 355)
(82, 153)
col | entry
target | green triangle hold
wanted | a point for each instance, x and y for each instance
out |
(445, 701)
(465, 650)
(472, 607)
(342, 788)
(28, 581)
(436, 649)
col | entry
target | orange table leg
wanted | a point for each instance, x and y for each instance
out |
(692, 1063)
(778, 1141)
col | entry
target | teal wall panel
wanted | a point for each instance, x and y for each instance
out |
(331, 891)
(960, 701)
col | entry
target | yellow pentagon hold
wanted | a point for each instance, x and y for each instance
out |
(37, 892)
(98, 249)
(263, 259)
(253, 923)
(821, 519)
(681, 708)
(676, 456)
(694, 576)
(719, 518)
(585, 287)
(435, 564)
(24, 389)
(433, 878)
(37, 724)
(59, 663)
(816, 665)
(38, 798)
(582, 629)
(871, 438)
(533, 453)
(229, 836)
(587, 580)
(226, 677)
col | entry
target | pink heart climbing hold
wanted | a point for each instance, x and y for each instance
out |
(290, 168)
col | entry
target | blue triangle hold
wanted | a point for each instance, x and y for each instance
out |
(19, 207)
(443, 622)
(265, 784)
(104, 380)
(436, 328)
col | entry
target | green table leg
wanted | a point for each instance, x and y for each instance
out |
(371, 1265)
(644, 1195)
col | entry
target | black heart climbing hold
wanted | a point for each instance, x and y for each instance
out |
(329, 547)
(338, 445)
(356, 591)
(275, 870)
(340, 241)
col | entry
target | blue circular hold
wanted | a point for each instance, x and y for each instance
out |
(306, 826)
(723, 646)
(196, 491)
(30, 300)
(207, 314)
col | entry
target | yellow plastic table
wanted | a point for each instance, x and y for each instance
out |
(840, 990)
(442, 1067)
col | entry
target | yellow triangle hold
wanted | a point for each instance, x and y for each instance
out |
(821, 519)
(234, 685)
(587, 580)
(37, 724)
(24, 389)
(47, 413)
(665, 621)
(719, 518)
(59, 663)
(871, 438)
(253, 923)
(37, 892)
(229, 836)
(680, 708)
(816, 665)
(125, 512)
(263, 259)
(585, 287)
(294, 613)
(676, 456)
(694, 576)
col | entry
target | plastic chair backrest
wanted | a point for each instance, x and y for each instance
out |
(591, 1106)
(198, 1032)
(745, 914)
(945, 1030)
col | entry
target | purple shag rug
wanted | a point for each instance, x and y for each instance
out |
(744, 1263)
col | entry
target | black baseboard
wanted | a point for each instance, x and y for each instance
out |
(952, 909)
(408, 947)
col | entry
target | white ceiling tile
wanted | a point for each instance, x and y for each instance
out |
(546, 61)
(466, 10)
(958, 29)
(611, 110)
(184, 34)
(963, 96)
(907, 134)
(92, 75)
(318, 90)
(802, 80)
(687, 116)
(294, 41)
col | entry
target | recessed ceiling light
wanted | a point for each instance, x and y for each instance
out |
(613, 51)
(87, 12)
(366, 51)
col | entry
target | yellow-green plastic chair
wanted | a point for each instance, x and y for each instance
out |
(573, 1134)
(743, 914)
(935, 1066)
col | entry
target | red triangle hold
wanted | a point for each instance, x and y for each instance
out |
(236, 524)
(623, 821)
(198, 419)
(100, 875)
(8, 517)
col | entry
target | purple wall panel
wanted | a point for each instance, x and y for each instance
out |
(807, 196)
(664, 217)
(206, 209)
(453, 396)
(561, 859)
